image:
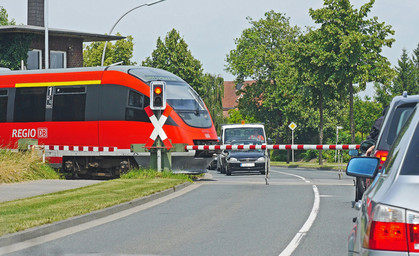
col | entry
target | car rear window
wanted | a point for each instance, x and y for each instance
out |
(410, 164)
(401, 114)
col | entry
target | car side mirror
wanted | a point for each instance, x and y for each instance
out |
(363, 167)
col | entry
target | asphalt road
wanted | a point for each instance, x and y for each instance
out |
(302, 212)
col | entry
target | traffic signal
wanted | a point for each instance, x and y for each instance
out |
(157, 95)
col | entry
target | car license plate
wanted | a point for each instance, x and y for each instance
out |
(247, 164)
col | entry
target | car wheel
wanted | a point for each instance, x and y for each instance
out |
(262, 172)
(228, 171)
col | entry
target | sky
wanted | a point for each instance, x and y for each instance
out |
(208, 27)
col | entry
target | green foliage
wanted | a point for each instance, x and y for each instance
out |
(236, 117)
(23, 166)
(310, 154)
(406, 79)
(122, 50)
(347, 48)
(212, 91)
(173, 55)
(4, 18)
(45, 209)
(383, 93)
(262, 54)
(365, 114)
(13, 49)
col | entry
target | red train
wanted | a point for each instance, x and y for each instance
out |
(89, 119)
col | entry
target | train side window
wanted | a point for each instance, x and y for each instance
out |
(3, 105)
(30, 104)
(135, 107)
(135, 100)
(69, 104)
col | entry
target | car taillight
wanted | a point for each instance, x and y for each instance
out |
(386, 229)
(413, 230)
(382, 154)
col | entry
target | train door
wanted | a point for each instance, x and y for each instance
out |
(71, 111)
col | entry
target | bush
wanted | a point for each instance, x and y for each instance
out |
(310, 154)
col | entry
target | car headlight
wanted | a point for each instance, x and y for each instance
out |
(232, 159)
(261, 159)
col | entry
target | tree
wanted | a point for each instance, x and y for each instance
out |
(122, 50)
(405, 79)
(312, 65)
(349, 48)
(415, 60)
(262, 54)
(212, 91)
(4, 18)
(173, 55)
(13, 47)
(365, 114)
(383, 93)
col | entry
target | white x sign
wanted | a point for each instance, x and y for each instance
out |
(158, 127)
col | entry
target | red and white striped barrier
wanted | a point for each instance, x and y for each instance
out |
(274, 147)
(74, 148)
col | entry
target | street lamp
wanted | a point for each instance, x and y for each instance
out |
(46, 34)
(337, 138)
(106, 43)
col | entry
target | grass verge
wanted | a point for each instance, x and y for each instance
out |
(23, 166)
(26, 213)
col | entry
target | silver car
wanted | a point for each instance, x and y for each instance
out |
(388, 217)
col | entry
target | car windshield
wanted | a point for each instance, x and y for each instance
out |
(246, 142)
(243, 133)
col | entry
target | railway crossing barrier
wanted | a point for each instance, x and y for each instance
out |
(272, 147)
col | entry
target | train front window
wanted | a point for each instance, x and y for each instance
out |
(180, 96)
(188, 105)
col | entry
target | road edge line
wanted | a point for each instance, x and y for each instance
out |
(307, 225)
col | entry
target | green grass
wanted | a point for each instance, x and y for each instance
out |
(30, 212)
(23, 166)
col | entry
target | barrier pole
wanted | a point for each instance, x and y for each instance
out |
(292, 144)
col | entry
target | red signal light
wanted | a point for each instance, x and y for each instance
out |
(157, 90)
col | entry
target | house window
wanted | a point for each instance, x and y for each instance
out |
(34, 59)
(58, 59)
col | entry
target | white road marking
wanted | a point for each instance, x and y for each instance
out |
(307, 225)
(92, 224)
